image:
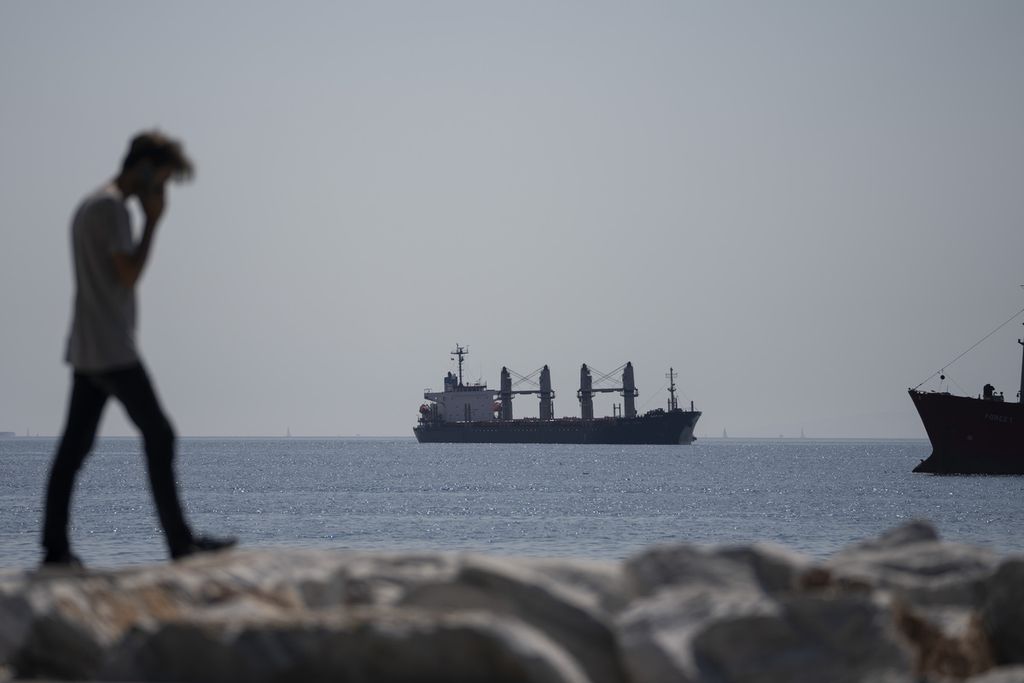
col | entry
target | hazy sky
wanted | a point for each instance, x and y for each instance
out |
(804, 208)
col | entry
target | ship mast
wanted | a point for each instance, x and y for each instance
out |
(672, 405)
(1020, 394)
(460, 351)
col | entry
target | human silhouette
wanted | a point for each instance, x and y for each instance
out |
(101, 347)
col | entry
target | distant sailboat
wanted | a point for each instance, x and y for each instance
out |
(288, 432)
(725, 435)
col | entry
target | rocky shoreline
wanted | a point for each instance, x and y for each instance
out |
(906, 606)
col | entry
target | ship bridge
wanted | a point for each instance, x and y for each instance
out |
(461, 402)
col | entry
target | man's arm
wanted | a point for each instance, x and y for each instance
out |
(130, 265)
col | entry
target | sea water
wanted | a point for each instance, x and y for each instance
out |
(524, 499)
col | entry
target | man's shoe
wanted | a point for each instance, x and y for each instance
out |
(64, 558)
(203, 544)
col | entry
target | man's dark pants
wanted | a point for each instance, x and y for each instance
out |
(89, 394)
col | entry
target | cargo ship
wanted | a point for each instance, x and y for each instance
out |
(471, 413)
(973, 435)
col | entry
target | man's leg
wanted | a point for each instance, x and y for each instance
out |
(84, 410)
(133, 388)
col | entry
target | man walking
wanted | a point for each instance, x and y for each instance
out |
(101, 345)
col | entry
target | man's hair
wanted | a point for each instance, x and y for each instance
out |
(161, 151)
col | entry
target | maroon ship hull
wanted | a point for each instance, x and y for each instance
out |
(971, 435)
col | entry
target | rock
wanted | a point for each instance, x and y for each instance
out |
(16, 619)
(777, 569)
(379, 578)
(569, 616)
(57, 613)
(1003, 612)
(85, 617)
(814, 638)
(1009, 674)
(949, 642)
(912, 563)
(760, 566)
(656, 633)
(603, 583)
(914, 531)
(365, 644)
(900, 607)
(693, 634)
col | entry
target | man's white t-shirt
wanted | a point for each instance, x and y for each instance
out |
(102, 333)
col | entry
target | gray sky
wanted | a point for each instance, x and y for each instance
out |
(804, 208)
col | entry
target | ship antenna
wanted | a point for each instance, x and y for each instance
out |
(672, 405)
(1020, 394)
(461, 352)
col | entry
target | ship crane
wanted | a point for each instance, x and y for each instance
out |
(543, 389)
(587, 390)
(672, 404)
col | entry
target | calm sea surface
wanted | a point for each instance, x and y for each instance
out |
(584, 501)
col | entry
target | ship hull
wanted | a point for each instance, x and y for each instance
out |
(970, 435)
(664, 428)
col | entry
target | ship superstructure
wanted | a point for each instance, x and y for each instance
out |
(473, 413)
(460, 402)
